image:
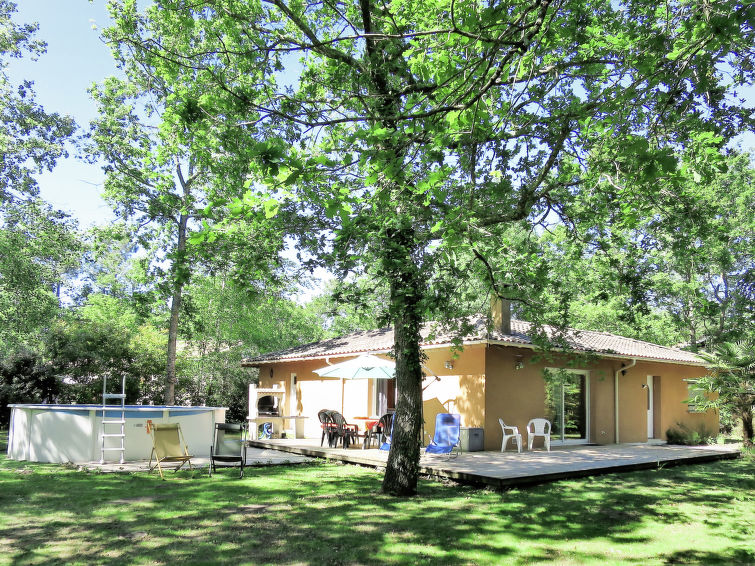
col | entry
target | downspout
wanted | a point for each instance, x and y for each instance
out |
(622, 369)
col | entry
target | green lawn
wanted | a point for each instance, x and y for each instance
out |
(333, 514)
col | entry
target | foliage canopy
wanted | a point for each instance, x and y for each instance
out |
(415, 135)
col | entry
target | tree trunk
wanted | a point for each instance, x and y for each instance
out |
(402, 469)
(181, 272)
(693, 337)
(747, 429)
(169, 398)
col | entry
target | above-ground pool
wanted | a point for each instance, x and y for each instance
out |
(72, 433)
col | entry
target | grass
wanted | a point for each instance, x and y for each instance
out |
(324, 513)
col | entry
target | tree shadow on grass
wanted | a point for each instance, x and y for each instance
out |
(732, 556)
(332, 514)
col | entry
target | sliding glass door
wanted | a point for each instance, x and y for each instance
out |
(566, 405)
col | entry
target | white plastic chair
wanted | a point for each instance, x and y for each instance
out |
(539, 427)
(513, 433)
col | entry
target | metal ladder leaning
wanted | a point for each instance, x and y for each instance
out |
(113, 415)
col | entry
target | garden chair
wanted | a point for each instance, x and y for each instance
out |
(229, 446)
(168, 446)
(326, 424)
(348, 433)
(539, 427)
(370, 432)
(379, 431)
(512, 434)
(447, 435)
(387, 438)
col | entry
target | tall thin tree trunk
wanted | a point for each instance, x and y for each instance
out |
(688, 313)
(179, 275)
(169, 397)
(175, 308)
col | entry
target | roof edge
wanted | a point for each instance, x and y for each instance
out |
(489, 342)
(606, 354)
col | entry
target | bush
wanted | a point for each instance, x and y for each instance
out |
(25, 378)
(682, 434)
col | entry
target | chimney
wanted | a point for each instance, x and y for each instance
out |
(500, 313)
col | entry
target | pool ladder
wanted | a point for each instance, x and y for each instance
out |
(113, 415)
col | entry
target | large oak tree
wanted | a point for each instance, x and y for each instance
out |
(410, 137)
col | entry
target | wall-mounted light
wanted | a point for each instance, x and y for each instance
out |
(449, 364)
(519, 363)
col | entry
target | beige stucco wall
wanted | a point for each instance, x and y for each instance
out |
(483, 385)
(602, 424)
(514, 395)
(461, 388)
(517, 395)
(669, 406)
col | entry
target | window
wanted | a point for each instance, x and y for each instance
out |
(566, 402)
(694, 390)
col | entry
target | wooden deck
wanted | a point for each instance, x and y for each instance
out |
(510, 469)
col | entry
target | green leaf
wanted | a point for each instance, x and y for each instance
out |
(452, 117)
(271, 207)
(196, 238)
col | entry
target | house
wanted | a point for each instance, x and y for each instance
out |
(599, 389)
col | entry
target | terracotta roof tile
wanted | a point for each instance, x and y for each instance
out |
(579, 340)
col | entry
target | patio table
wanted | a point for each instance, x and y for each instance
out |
(369, 423)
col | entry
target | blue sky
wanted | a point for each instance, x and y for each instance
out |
(75, 59)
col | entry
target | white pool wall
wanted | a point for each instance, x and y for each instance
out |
(71, 433)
